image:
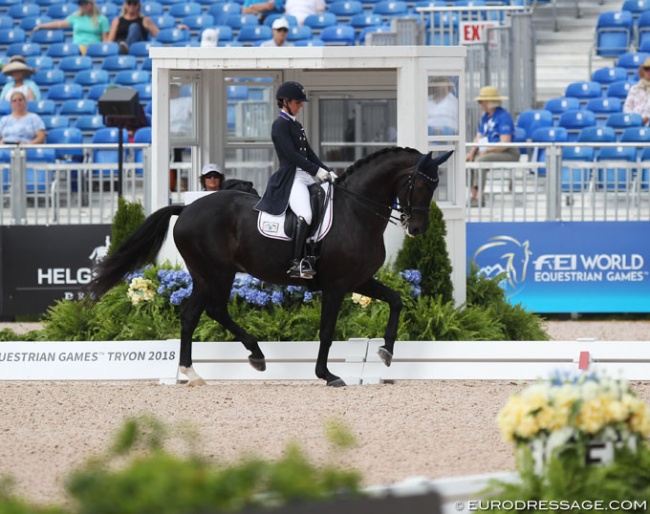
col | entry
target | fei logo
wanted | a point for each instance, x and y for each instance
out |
(504, 254)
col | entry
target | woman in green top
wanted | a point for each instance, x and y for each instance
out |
(88, 25)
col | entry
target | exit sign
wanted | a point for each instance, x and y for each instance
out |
(475, 31)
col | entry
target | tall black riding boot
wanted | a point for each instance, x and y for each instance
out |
(300, 267)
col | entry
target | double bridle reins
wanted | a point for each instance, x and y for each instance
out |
(405, 211)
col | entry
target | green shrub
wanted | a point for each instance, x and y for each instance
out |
(127, 218)
(428, 254)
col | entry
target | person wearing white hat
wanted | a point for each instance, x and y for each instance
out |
(496, 126)
(638, 97)
(18, 70)
(280, 32)
(211, 177)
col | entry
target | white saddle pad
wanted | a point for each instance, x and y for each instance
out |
(273, 226)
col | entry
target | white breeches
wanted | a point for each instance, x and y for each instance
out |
(299, 197)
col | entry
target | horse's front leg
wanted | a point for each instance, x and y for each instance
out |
(375, 289)
(190, 316)
(329, 313)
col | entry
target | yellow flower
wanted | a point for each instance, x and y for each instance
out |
(364, 301)
(141, 290)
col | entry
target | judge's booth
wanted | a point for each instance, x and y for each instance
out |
(217, 105)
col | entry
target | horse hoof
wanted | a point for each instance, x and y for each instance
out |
(337, 383)
(258, 364)
(194, 379)
(385, 356)
(196, 382)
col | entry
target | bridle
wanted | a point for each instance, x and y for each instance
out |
(405, 211)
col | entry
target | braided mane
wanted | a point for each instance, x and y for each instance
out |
(369, 158)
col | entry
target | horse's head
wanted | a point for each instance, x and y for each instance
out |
(415, 198)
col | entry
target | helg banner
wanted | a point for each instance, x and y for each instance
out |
(567, 267)
(43, 264)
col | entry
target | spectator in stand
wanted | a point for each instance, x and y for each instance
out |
(638, 98)
(131, 26)
(303, 8)
(18, 70)
(211, 177)
(262, 8)
(88, 25)
(496, 126)
(21, 126)
(280, 31)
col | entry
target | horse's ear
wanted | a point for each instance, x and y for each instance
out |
(442, 157)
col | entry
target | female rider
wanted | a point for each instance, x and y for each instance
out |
(299, 168)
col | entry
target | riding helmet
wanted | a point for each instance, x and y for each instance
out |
(291, 90)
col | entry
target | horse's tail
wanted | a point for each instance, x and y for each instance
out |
(139, 249)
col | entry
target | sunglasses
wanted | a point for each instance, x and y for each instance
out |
(646, 68)
(282, 30)
(212, 176)
(132, 2)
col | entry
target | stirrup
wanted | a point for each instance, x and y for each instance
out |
(302, 269)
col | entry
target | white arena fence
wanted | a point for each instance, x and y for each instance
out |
(556, 188)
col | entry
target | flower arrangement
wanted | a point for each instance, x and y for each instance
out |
(141, 290)
(574, 408)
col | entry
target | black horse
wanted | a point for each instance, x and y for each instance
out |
(217, 237)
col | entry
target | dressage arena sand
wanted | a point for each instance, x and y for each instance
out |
(412, 428)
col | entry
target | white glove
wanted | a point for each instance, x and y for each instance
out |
(325, 176)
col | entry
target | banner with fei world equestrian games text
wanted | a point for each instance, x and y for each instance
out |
(567, 267)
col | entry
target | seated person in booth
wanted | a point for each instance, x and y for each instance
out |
(638, 98)
(19, 72)
(21, 126)
(211, 177)
(131, 26)
(88, 25)
(443, 107)
(496, 126)
(280, 31)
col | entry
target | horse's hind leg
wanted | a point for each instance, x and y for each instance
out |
(217, 309)
(377, 290)
(329, 313)
(190, 316)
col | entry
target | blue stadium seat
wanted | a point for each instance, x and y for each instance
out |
(230, 43)
(62, 92)
(631, 61)
(197, 22)
(390, 8)
(27, 50)
(142, 135)
(23, 10)
(318, 22)
(532, 119)
(338, 35)
(345, 9)
(361, 21)
(583, 90)
(164, 21)
(596, 135)
(619, 89)
(48, 37)
(237, 21)
(110, 10)
(53, 121)
(638, 134)
(608, 74)
(107, 155)
(613, 35)
(129, 78)
(643, 29)
(546, 135)
(636, 8)
(100, 51)
(309, 42)
(575, 120)
(140, 49)
(89, 125)
(60, 50)
(576, 178)
(115, 63)
(221, 11)
(39, 180)
(172, 35)
(96, 91)
(47, 78)
(151, 8)
(75, 108)
(89, 78)
(252, 34)
(41, 107)
(613, 177)
(620, 121)
(67, 136)
(9, 36)
(603, 107)
(144, 92)
(168, 3)
(5, 107)
(183, 9)
(28, 23)
(298, 33)
(560, 104)
(60, 11)
(40, 62)
(75, 63)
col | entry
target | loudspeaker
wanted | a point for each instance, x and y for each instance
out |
(119, 102)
